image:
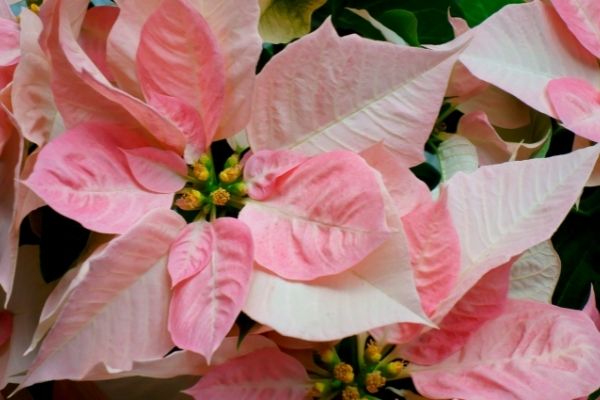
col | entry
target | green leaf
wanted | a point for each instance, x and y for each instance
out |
(578, 245)
(428, 174)
(476, 11)
(348, 22)
(284, 20)
(595, 395)
(403, 22)
(542, 151)
(432, 16)
(538, 129)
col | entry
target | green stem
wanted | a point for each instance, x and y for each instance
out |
(446, 113)
(236, 202)
(199, 216)
(193, 180)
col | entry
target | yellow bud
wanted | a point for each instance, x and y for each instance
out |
(35, 8)
(343, 372)
(232, 160)
(230, 175)
(329, 356)
(220, 197)
(189, 199)
(350, 393)
(205, 159)
(372, 352)
(200, 172)
(374, 381)
(318, 389)
(238, 189)
(393, 369)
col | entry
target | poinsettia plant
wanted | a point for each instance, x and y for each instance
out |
(299, 199)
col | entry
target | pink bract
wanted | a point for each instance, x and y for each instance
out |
(263, 374)
(530, 346)
(581, 17)
(204, 305)
(577, 104)
(321, 218)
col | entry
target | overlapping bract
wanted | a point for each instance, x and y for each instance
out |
(337, 236)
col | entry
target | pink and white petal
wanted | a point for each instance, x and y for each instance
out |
(184, 362)
(11, 150)
(83, 94)
(535, 273)
(264, 374)
(263, 168)
(435, 251)
(491, 149)
(235, 26)
(577, 104)
(239, 141)
(463, 85)
(123, 41)
(124, 295)
(76, 101)
(31, 95)
(157, 128)
(191, 252)
(491, 232)
(581, 17)
(55, 300)
(94, 187)
(187, 120)
(204, 307)
(94, 33)
(483, 302)
(30, 292)
(530, 346)
(592, 310)
(323, 217)
(549, 52)
(397, 333)
(378, 291)
(338, 103)
(178, 56)
(160, 171)
(9, 42)
(503, 110)
(459, 25)
(5, 11)
(406, 190)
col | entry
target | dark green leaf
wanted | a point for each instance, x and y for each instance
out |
(432, 16)
(403, 22)
(578, 245)
(348, 22)
(428, 174)
(542, 151)
(476, 11)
